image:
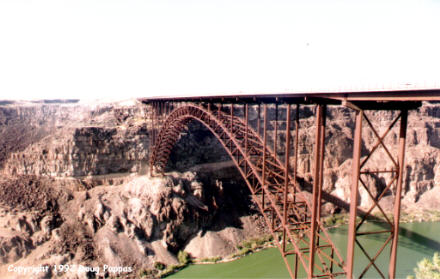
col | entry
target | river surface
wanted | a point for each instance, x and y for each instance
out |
(416, 241)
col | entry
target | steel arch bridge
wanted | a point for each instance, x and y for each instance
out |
(275, 185)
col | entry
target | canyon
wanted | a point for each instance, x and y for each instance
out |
(76, 188)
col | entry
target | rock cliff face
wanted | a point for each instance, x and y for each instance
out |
(76, 140)
(74, 187)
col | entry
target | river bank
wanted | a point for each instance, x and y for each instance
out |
(245, 248)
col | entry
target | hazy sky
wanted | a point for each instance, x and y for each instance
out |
(130, 48)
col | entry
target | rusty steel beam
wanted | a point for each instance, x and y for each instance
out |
(154, 121)
(295, 172)
(402, 142)
(286, 174)
(232, 120)
(321, 158)
(317, 185)
(232, 117)
(276, 131)
(321, 167)
(258, 119)
(295, 166)
(354, 194)
(264, 155)
(246, 148)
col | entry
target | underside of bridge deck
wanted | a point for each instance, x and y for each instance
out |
(277, 187)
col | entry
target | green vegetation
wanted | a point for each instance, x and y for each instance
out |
(335, 220)
(428, 269)
(159, 266)
(255, 242)
(210, 260)
(149, 273)
(242, 252)
(183, 257)
(252, 245)
(420, 216)
(413, 216)
(171, 269)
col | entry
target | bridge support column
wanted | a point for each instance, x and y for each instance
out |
(295, 171)
(317, 186)
(377, 182)
(402, 143)
(354, 193)
(264, 160)
(286, 178)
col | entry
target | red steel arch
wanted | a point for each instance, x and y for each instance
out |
(278, 197)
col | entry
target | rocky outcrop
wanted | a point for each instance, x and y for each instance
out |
(135, 224)
(79, 141)
(29, 209)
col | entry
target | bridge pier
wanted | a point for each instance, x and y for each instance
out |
(317, 183)
(360, 171)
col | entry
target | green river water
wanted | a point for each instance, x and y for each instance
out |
(416, 241)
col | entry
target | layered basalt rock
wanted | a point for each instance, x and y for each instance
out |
(77, 141)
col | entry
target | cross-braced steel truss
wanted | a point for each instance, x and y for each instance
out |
(369, 177)
(281, 201)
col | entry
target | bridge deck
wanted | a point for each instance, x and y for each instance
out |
(305, 97)
(387, 99)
